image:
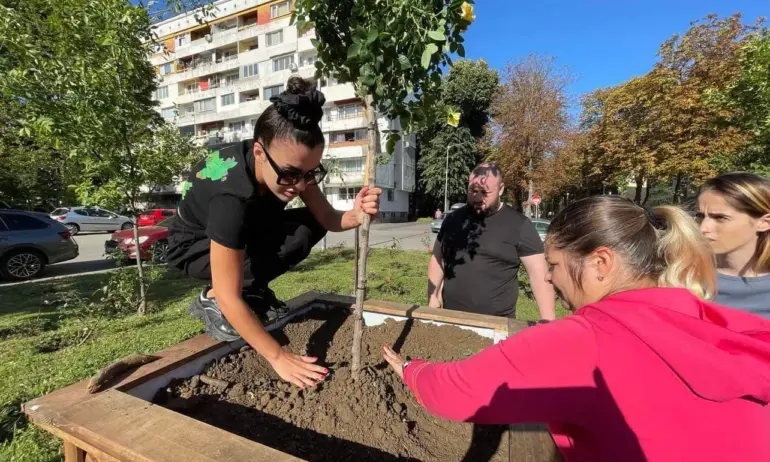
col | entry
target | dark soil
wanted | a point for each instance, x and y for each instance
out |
(373, 419)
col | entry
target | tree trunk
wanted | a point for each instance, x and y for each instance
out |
(531, 192)
(650, 184)
(677, 185)
(639, 183)
(142, 298)
(358, 315)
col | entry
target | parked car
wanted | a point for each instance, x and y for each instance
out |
(153, 216)
(435, 226)
(541, 226)
(78, 219)
(153, 243)
(29, 242)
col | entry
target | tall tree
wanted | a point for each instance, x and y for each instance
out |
(393, 52)
(704, 59)
(76, 73)
(748, 100)
(530, 115)
(449, 153)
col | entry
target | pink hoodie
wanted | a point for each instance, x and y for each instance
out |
(644, 375)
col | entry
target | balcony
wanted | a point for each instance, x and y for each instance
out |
(337, 123)
(339, 92)
(227, 37)
(350, 149)
(207, 66)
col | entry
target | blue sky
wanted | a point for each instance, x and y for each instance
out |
(602, 42)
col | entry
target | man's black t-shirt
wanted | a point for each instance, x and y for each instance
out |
(482, 258)
(220, 202)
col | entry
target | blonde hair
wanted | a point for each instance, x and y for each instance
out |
(663, 244)
(748, 193)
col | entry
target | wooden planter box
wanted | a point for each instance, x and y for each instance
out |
(121, 424)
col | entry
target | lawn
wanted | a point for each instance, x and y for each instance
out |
(48, 339)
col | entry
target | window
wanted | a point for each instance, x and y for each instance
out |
(99, 213)
(62, 211)
(352, 135)
(272, 91)
(161, 92)
(274, 38)
(186, 110)
(237, 126)
(206, 105)
(167, 213)
(168, 113)
(231, 79)
(19, 222)
(81, 212)
(280, 9)
(181, 40)
(351, 165)
(307, 60)
(349, 194)
(350, 111)
(229, 99)
(165, 69)
(390, 195)
(282, 63)
(541, 227)
(250, 70)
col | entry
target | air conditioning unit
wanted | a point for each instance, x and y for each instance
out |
(209, 38)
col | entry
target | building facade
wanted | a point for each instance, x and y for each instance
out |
(215, 79)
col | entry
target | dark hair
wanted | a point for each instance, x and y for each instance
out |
(663, 243)
(487, 167)
(294, 115)
(748, 193)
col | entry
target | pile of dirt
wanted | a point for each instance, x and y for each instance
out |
(373, 419)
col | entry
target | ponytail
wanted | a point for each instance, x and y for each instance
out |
(689, 262)
(664, 245)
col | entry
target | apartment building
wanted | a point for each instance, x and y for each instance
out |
(215, 79)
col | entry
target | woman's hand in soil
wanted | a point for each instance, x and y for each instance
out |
(299, 370)
(367, 203)
(395, 361)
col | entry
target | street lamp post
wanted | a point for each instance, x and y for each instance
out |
(446, 178)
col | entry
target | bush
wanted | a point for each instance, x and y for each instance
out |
(525, 287)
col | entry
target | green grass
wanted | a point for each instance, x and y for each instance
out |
(43, 346)
(425, 220)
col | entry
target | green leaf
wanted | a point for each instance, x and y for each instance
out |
(452, 47)
(437, 35)
(315, 42)
(367, 79)
(354, 50)
(403, 61)
(372, 36)
(460, 50)
(427, 54)
(390, 144)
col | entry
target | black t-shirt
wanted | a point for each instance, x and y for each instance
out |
(482, 258)
(221, 202)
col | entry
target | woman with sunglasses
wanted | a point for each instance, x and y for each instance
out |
(232, 224)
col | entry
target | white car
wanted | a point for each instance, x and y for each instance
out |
(78, 219)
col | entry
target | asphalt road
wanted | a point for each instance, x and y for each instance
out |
(409, 236)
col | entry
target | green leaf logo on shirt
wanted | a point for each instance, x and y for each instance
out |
(216, 168)
(186, 187)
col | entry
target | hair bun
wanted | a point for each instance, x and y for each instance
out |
(301, 103)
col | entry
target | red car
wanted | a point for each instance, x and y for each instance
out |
(153, 243)
(154, 216)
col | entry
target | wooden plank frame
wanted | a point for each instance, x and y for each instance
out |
(114, 425)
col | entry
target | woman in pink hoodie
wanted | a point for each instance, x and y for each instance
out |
(645, 370)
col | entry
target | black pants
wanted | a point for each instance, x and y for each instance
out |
(276, 247)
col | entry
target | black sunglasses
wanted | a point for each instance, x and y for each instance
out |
(291, 176)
